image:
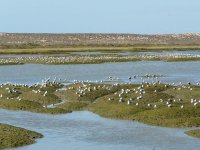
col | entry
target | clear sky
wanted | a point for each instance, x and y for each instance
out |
(100, 16)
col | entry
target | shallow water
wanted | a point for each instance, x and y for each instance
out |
(87, 131)
(172, 72)
(188, 52)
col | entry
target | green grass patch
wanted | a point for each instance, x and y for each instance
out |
(31, 98)
(60, 50)
(25, 105)
(11, 136)
(183, 59)
(170, 117)
(155, 104)
(73, 106)
(193, 133)
(161, 105)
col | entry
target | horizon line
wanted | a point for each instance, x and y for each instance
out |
(185, 33)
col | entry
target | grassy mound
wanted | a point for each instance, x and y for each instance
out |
(26, 105)
(194, 133)
(11, 136)
(155, 104)
(170, 117)
(34, 98)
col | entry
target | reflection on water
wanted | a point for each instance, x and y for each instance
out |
(172, 72)
(87, 131)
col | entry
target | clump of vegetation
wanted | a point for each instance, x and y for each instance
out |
(11, 136)
(193, 133)
(113, 110)
(26, 105)
(170, 117)
(36, 98)
(183, 59)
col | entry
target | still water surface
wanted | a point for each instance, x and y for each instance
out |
(172, 72)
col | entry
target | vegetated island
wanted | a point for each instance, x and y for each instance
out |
(11, 136)
(194, 133)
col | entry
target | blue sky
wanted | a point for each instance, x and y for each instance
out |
(100, 16)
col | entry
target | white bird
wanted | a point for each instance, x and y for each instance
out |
(120, 99)
(45, 93)
(170, 105)
(195, 104)
(149, 105)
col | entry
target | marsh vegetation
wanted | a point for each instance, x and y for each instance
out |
(35, 98)
(150, 103)
(155, 104)
(11, 136)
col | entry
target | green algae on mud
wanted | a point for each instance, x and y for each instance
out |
(193, 133)
(11, 136)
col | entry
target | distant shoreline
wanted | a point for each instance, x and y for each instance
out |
(35, 43)
(32, 40)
